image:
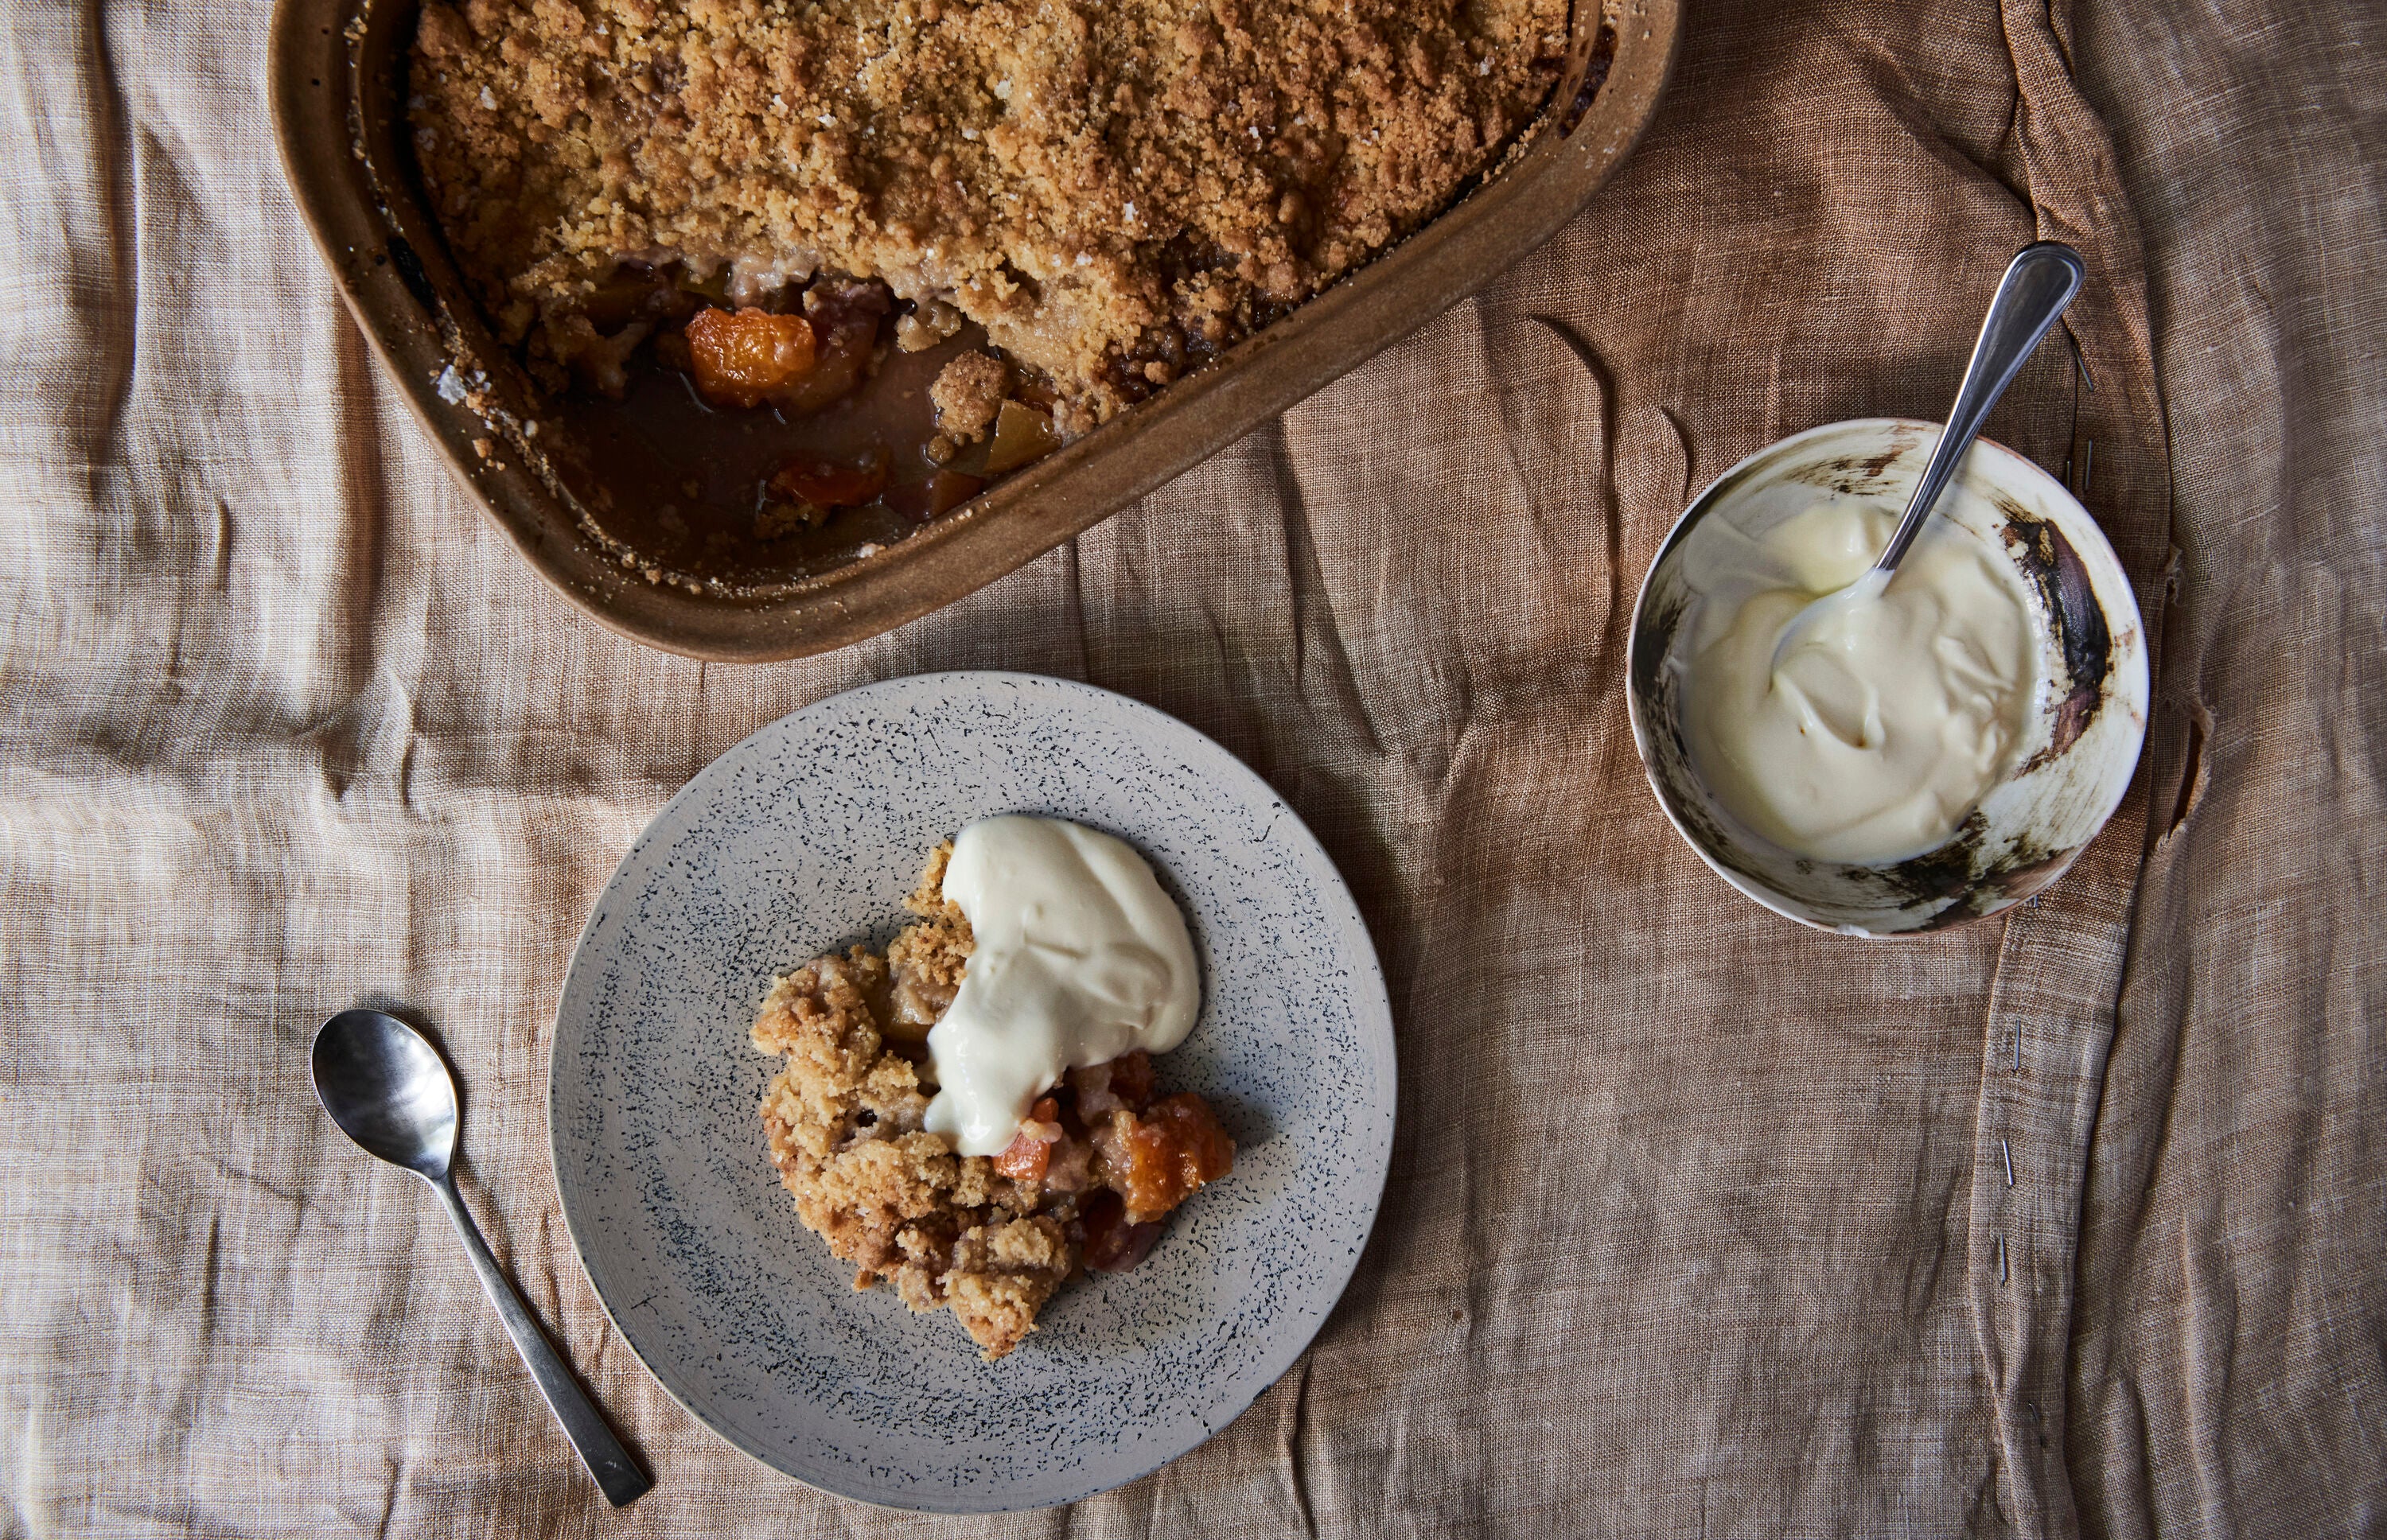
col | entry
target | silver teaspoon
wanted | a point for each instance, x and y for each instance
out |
(387, 1089)
(2038, 286)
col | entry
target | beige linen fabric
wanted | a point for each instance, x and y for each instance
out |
(1699, 1223)
(2236, 1214)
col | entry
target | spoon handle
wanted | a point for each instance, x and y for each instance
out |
(618, 1474)
(2039, 283)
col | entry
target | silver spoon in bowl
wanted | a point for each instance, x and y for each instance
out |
(387, 1089)
(2038, 286)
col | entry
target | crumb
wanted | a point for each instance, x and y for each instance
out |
(968, 394)
(927, 325)
(1003, 1274)
(776, 519)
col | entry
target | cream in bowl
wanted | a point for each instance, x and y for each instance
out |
(1927, 757)
(1875, 737)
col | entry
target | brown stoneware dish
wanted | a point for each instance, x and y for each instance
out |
(336, 82)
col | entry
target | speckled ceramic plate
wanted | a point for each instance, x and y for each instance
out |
(805, 839)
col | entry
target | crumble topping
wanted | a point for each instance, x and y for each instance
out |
(968, 394)
(1113, 192)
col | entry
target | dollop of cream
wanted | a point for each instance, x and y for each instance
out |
(1077, 957)
(1880, 732)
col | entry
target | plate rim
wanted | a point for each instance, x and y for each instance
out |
(1372, 1003)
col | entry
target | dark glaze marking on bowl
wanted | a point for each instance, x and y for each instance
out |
(1656, 639)
(2022, 877)
(1940, 875)
(2055, 572)
(2018, 873)
(1859, 476)
(1967, 876)
(1660, 690)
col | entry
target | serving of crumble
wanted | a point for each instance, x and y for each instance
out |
(1097, 1164)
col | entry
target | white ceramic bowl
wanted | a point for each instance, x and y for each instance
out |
(2089, 715)
(805, 838)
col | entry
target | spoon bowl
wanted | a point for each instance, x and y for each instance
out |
(389, 1090)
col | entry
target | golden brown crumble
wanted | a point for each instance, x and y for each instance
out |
(1097, 1164)
(968, 394)
(1113, 191)
(927, 959)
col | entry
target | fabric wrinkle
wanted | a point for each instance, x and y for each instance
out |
(1314, 626)
(358, 456)
(1690, 455)
(1610, 657)
(1073, 601)
(1295, 1481)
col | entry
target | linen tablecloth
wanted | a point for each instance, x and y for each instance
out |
(1699, 1223)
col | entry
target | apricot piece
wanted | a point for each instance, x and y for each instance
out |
(1030, 1149)
(831, 483)
(747, 358)
(1022, 435)
(950, 490)
(1159, 1159)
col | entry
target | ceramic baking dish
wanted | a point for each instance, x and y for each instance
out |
(336, 79)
